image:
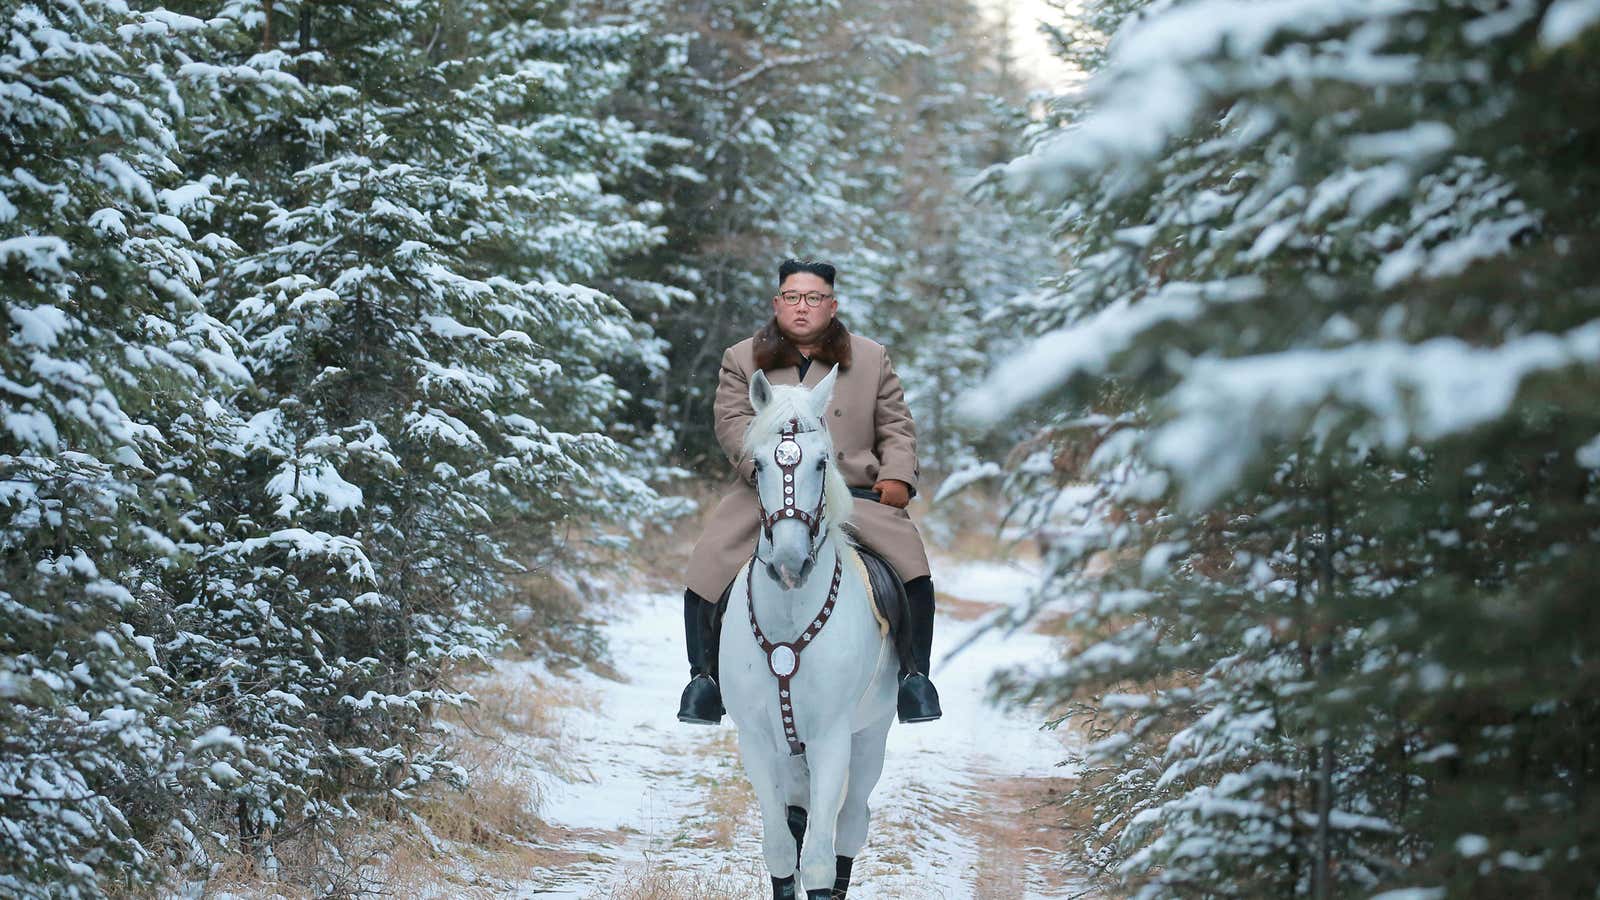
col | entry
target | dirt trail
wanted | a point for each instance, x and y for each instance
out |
(646, 807)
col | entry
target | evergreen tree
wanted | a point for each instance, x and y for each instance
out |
(1328, 341)
(269, 483)
(107, 379)
(846, 131)
(955, 253)
(432, 376)
(779, 116)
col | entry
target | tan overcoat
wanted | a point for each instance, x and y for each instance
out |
(873, 438)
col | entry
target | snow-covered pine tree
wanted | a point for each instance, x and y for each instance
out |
(417, 201)
(954, 252)
(108, 383)
(781, 116)
(1329, 338)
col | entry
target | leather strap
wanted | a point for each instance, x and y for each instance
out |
(789, 449)
(787, 663)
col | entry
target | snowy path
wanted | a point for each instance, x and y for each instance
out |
(660, 809)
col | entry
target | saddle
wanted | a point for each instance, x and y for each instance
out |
(888, 591)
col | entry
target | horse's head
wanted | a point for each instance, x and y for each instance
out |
(803, 497)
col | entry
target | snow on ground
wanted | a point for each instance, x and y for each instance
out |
(661, 803)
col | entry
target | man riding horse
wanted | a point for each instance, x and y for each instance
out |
(875, 443)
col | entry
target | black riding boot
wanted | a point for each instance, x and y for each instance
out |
(702, 698)
(918, 700)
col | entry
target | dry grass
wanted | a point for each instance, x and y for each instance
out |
(961, 608)
(660, 882)
(730, 800)
(492, 829)
(1016, 829)
(472, 842)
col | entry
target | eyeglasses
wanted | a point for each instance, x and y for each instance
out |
(813, 299)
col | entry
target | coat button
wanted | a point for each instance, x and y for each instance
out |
(838, 412)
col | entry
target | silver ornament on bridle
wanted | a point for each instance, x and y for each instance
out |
(787, 456)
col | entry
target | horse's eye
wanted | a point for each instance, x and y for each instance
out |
(821, 464)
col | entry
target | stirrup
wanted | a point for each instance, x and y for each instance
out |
(701, 703)
(918, 700)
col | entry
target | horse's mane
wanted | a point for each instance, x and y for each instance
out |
(792, 402)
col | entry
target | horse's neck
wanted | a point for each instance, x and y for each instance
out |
(784, 613)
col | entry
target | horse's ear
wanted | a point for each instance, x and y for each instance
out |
(823, 392)
(760, 391)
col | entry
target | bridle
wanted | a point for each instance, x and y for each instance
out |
(783, 658)
(787, 456)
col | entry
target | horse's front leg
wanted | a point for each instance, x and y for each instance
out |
(828, 757)
(764, 768)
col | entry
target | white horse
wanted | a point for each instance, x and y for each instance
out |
(812, 704)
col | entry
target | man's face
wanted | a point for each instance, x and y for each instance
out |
(803, 323)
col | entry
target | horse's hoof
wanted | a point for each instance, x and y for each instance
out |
(783, 888)
(823, 894)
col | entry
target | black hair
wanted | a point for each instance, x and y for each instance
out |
(822, 270)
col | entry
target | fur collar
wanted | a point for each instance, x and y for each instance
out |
(774, 351)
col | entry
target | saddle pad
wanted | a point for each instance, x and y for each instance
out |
(888, 591)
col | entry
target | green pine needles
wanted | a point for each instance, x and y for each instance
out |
(303, 367)
(1329, 342)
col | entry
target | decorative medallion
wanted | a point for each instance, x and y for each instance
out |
(787, 454)
(782, 660)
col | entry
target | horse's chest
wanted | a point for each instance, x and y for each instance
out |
(792, 694)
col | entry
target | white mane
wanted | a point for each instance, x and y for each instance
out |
(793, 402)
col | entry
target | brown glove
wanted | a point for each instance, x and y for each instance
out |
(893, 493)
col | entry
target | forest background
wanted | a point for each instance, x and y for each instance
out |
(330, 322)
